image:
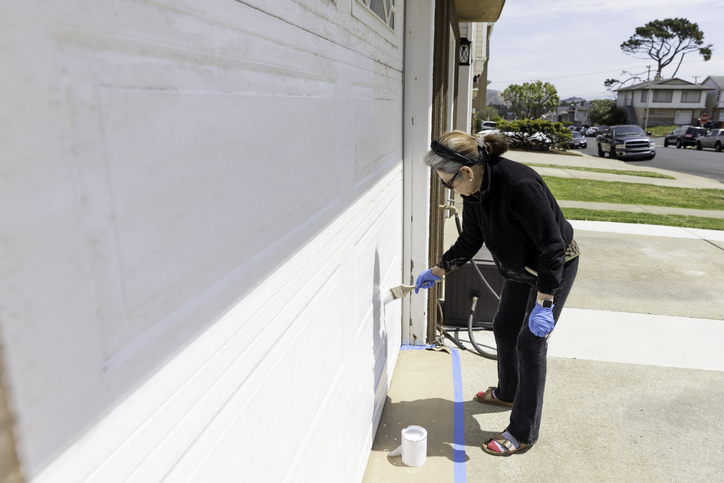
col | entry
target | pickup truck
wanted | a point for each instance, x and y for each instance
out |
(625, 142)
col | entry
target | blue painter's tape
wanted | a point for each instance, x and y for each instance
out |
(414, 347)
(459, 418)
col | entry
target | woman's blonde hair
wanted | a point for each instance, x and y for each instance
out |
(477, 150)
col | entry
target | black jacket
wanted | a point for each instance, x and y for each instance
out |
(519, 220)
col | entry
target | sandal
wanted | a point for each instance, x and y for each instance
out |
(502, 441)
(487, 398)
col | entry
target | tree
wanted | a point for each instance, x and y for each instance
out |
(531, 100)
(605, 112)
(487, 113)
(501, 108)
(664, 40)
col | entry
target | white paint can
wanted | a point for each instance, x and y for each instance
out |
(414, 446)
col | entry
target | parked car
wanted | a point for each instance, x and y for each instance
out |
(599, 130)
(488, 126)
(537, 137)
(713, 139)
(578, 140)
(627, 141)
(684, 136)
(591, 131)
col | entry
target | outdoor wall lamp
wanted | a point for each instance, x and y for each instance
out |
(464, 51)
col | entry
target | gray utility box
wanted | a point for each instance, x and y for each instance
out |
(460, 283)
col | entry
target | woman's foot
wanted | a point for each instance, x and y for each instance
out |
(488, 397)
(504, 444)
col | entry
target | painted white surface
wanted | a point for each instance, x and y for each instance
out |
(190, 197)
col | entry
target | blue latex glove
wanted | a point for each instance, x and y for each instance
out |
(541, 321)
(426, 280)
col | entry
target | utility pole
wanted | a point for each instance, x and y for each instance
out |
(696, 78)
(648, 99)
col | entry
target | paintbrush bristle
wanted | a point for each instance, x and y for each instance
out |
(397, 292)
(401, 291)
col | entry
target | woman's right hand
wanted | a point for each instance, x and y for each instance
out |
(427, 278)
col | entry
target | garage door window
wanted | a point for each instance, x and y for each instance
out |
(379, 15)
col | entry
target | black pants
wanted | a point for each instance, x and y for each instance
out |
(522, 355)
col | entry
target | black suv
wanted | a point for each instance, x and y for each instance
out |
(684, 136)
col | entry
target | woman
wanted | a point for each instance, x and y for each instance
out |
(508, 206)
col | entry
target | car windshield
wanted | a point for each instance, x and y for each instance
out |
(577, 134)
(628, 131)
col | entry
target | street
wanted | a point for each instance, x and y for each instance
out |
(706, 163)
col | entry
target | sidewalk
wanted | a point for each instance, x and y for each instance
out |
(635, 387)
(582, 160)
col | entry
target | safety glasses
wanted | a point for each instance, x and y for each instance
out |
(449, 184)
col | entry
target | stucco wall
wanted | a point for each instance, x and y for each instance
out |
(201, 210)
(674, 104)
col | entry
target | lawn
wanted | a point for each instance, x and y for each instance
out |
(660, 131)
(635, 193)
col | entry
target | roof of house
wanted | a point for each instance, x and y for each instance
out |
(717, 79)
(666, 84)
(573, 99)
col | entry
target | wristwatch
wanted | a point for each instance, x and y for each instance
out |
(547, 304)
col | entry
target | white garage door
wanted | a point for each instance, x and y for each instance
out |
(683, 116)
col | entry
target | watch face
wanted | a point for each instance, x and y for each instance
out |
(547, 303)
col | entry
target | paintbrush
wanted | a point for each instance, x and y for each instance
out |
(398, 292)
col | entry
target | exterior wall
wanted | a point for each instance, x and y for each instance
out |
(660, 113)
(674, 104)
(620, 99)
(465, 121)
(714, 101)
(483, 31)
(201, 211)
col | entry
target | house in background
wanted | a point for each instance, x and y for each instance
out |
(663, 102)
(574, 110)
(202, 208)
(715, 98)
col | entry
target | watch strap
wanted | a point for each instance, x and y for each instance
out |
(544, 303)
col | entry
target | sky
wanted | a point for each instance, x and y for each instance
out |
(576, 45)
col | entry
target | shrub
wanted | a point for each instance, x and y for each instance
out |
(538, 135)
